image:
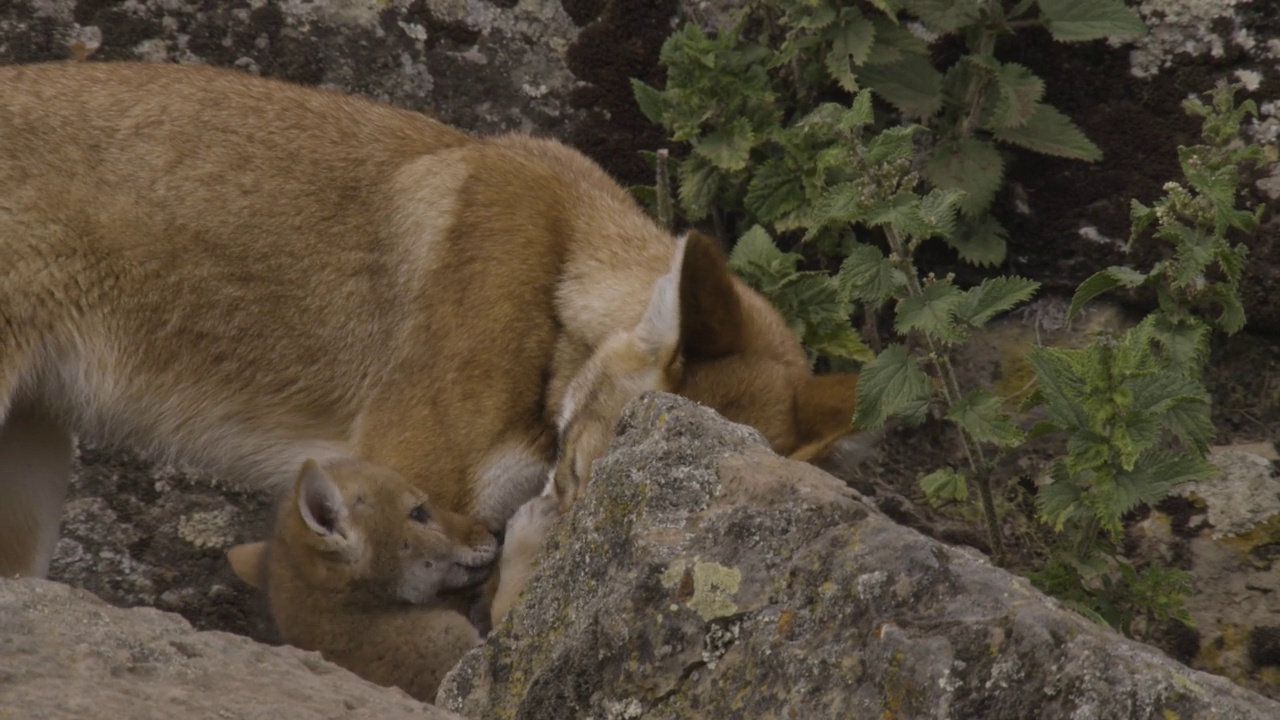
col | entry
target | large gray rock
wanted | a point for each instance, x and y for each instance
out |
(478, 64)
(702, 576)
(66, 655)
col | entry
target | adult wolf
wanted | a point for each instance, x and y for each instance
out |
(243, 273)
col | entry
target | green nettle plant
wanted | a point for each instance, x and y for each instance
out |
(736, 99)
(1134, 406)
(869, 184)
(830, 210)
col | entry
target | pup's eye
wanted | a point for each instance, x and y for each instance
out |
(419, 514)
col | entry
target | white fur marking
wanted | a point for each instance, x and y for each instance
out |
(507, 478)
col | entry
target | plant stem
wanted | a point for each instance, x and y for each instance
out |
(665, 214)
(951, 393)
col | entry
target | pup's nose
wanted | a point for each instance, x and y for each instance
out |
(500, 535)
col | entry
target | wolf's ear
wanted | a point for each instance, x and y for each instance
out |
(320, 505)
(658, 334)
(824, 407)
(711, 315)
(249, 563)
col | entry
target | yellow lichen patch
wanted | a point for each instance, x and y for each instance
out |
(713, 587)
(786, 620)
(895, 689)
(1268, 677)
(1218, 656)
(1170, 715)
(213, 529)
(1266, 532)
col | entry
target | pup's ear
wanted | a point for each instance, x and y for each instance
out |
(711, 315)
(249, 563)
(824, 407)
(321, 507)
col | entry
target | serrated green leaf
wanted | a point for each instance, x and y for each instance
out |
(774, 191)
(812, 16)
(888, 7)
(867, 275)
(1087, 451)
(892, 384)
(1061, 386)
(728, 148)
(980, 243)
(938, 210)
(1193, 255)
(1079, 20)
(1102, 281)
(944, 15)
(893, 42)
(993, 296)
(850, 46)
(932, 312)
(1159, 471)
(944, 485)
(860, 111)
(973, 165)
(765, 267)
(842, 342)
(900, 212)
(1192, 424)
(891, 145)
(1157, 393)
(1232, 318)
(1018, 91)
(754, 248)
(979, 414)
(841, 204)
(1142, 217)
(649, 99)
(699, 184)
(1057, 500)
(1231, 260)
(1185, 343)
(1049, 132)
(910, 84)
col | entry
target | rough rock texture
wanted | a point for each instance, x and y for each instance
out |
(137, 533)
(1127, 98)
(481, 65)
(66, 655)
(702, 576)
(1226, 534)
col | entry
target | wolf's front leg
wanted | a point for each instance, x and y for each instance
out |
(36, 453)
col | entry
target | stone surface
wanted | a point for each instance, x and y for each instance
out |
(701, 576)
(139, 533)
(1226, 534)
(481, 65)
(66, 655)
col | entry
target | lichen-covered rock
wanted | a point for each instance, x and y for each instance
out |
(701, 576)
(1225, 533)
(66, 655)
(481, 65)
(139, 533)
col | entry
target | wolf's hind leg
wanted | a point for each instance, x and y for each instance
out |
(36, 454)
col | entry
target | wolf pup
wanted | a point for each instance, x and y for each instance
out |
(358, 567)
(241, 273)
